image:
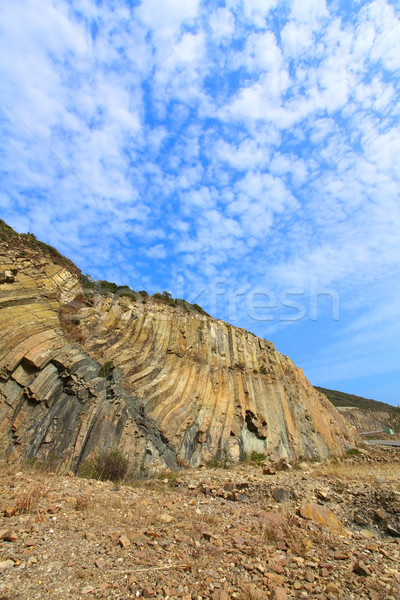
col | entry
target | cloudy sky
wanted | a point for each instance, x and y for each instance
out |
(243, 154)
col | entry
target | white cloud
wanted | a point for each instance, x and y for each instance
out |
(296, 38)
(166, 18)
(257, 10)
(222, 23)
(309, 11)
(207, 131)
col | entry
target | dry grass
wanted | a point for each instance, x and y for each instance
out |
(82, 502)
(363, 471)
(28, 502)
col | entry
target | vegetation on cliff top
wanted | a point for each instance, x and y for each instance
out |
(344, 400)
(29, 240)
(90, 285)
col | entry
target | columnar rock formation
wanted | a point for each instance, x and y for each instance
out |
(365, 420)
(176, 387)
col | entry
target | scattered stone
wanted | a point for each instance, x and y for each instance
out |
(279, 594)
(218, 595)
(29, 542)
(87, 590)
(360, 520)
(269, 471)
(8, 536)
(99, 563)
(165, 518)
(124, 541)
(367, 533)
(148, 592)
(338, 555)
(309, 576)
(361, 569)
(334, 589)
(281, 494)
(380, 514)
(324, 516)
(322, 495)
(6, 564)
(238, 540)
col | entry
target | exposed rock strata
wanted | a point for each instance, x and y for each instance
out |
(188, 388)
(371, 420)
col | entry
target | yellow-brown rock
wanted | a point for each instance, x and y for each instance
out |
(323, 516)
(187, 388)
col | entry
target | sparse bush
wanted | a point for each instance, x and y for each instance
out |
(263, 370)
(109, 465)
(257, 457)
(29, 500)
(105, 287)
(353, 452)
(222, 461)
(87, 282)
(106, 369)
(166, 299)
(82, 502)
(200, 310)
(128, 294)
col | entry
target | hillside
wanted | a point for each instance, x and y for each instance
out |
(85, 367)
(342, 399)
(363, 414)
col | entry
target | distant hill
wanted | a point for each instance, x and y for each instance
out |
(342, 399)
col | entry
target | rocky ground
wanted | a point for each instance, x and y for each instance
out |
(316, 530)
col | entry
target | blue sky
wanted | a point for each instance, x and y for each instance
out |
(242, 154)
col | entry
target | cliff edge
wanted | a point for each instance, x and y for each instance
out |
(82, 371)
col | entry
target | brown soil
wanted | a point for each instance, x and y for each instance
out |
(205, 533)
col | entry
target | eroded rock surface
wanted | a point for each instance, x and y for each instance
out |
(185, 388)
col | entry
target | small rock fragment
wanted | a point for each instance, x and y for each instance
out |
(361, 569)
(124, 541)
(6, 564)
(279, 594)
(269, 471)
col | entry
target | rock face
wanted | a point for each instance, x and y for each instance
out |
(371, 420)
(176, 388)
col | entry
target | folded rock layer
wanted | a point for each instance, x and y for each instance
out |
(166, 385)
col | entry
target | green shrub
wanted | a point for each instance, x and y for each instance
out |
(263, 370)
(105, 287)
(106, 368)
(109, 465)
(128, 294)
(221, 461)
(353, 452)
(165, 298)
(87, 282)
(200, 310)
(257, 457)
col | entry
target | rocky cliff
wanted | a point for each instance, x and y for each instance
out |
(365, 420)
(166, 384)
